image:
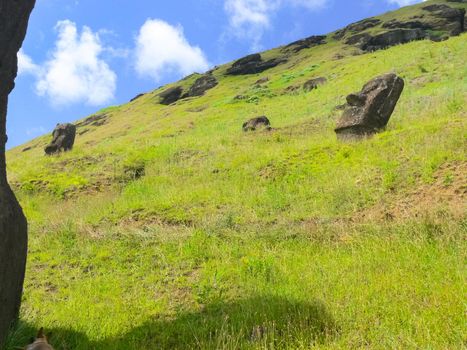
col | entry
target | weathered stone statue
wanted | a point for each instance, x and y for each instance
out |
(63, 139)
(369, 110)
(14, 16)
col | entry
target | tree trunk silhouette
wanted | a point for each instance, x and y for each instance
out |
(14, 16)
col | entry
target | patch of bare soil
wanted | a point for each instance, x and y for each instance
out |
(445, 196)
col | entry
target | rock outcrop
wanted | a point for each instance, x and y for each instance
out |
(170, 95)
(256, 123)
(392, 38)
(369, 110)
(438, 22)
(201, 85)
(94, 120)
(253, 64)
(314, 83)
(357, 27)
(14, 16)
(439, 19)
(63, 139)
(136, 97)
(306, 43)
(446, 18)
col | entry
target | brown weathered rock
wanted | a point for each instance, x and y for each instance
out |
(14, 16)
(369, 111)
(63, 139)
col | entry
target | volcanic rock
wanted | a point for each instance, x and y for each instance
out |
(391, 38)
(306, 43)
(357, 27)
(136, 97)
(94, 120)
(170, 95)
(253, 64)
(201, 85)
(446, 18)
(393, 24)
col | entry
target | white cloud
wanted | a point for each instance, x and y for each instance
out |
(162, 49)
(404, 2)
(251, 18)
(75, 72)
(39, 130)
(26, 64)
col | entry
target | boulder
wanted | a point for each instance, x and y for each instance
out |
(314, 83)
(369, 110)
(201, 85)
(253, 64)
(63, 139)
(170, 95)
(306, 43)
(14, 17)
(255, 123)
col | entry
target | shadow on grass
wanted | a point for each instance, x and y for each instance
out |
(262, 322)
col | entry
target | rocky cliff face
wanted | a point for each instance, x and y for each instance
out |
(14, 16)
(436, 22)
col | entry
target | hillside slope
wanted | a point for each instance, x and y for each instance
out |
(168, 226)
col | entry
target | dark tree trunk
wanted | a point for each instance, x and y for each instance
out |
(14, 16)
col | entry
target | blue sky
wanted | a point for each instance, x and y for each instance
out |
(82, 55)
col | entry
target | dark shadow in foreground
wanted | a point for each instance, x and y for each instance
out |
(260, 322)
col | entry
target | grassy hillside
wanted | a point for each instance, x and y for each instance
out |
(167, 227)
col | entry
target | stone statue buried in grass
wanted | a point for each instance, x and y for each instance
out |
(369, 110)
(63, 139)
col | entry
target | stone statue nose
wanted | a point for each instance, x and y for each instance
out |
(356, 100)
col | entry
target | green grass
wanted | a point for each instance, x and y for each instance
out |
(170, 228)
(386, 287)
